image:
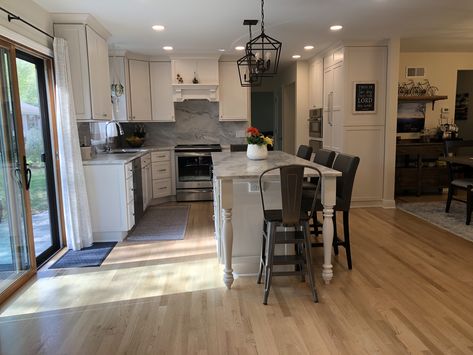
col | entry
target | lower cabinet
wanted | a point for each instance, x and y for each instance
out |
(161, 167)
(147, 180)
(111, 202)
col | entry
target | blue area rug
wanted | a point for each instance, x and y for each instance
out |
(86, 257)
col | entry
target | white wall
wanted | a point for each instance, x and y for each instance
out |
(441, 70)
(31, 12)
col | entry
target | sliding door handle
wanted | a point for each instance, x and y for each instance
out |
(27, 173)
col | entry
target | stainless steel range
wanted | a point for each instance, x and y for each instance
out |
(194, 171)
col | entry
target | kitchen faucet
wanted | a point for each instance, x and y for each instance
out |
(107, 147)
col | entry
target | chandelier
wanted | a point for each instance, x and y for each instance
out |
(247, 64)
(266, 51)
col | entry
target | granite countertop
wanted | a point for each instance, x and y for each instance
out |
(123, 158)
(236, 165)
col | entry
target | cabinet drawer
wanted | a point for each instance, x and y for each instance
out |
(160, 156)
(128, 171)
(129, 190)
(161, 188)
(161, 170)
(131, 215)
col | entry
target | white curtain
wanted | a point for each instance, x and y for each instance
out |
(74, 194)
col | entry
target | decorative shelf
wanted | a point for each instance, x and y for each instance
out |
(423, 99)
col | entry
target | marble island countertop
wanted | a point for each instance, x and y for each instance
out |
(122, 158)
(236, 165)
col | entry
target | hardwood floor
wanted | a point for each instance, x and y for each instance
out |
(410, 291)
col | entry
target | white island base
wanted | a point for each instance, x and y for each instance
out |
(239, 215)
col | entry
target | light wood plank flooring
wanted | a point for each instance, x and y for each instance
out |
(411, 291)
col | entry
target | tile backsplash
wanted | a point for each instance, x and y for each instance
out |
(196, 122)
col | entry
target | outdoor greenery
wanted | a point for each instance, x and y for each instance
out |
(27, 81)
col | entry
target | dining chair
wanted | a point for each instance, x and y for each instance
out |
(295, 231)
(304, 152)
(238, 147)
(347, 165)
(460, 177)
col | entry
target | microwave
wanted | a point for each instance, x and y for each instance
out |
(315, 123)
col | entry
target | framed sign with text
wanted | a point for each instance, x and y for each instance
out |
(364, 100)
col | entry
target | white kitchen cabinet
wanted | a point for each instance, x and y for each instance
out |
(147, 182)
(316, 83)
(333, 102)
(88, 53)
(140, 93)
(119, 74)
(110, 194)
(234, 100)
(161, 92)
(162, 172)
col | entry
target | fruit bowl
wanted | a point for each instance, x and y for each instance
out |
(134, 141)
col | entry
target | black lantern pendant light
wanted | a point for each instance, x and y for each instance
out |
(247, 64)
(266, 50)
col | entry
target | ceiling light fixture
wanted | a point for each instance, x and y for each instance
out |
(168, 48)
(158, 28)
(247, 64)
(266, 50)
(239, 48)
(296, 56)
(336, 27)
(308, 48)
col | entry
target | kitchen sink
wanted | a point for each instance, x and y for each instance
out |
(126, 151)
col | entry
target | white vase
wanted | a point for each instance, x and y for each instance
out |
(257, 152)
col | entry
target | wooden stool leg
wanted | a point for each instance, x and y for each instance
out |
(269, 262)
(346, 232)
(469, 203)
(308, 261)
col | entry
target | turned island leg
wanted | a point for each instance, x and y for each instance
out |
(226, 189)
(328, 201)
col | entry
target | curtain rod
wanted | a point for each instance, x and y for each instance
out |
(12, 16)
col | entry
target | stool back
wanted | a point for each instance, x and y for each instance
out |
(347, 164)
(304, 152)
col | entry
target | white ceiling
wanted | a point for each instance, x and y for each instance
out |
(202, 27)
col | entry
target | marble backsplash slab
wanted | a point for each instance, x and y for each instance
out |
(196, 122)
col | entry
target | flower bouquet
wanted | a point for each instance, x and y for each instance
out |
(257, 144)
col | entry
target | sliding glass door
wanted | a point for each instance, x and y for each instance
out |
(37, 138)
(15, 258)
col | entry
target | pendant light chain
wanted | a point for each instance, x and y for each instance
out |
(262, 16)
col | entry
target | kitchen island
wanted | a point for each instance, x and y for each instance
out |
(239, 215)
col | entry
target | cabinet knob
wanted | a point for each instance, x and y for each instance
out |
(105, 115)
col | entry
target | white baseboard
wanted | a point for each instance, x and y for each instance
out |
(109, 236)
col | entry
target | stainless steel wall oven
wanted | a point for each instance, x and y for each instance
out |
(194, 171)
(316, 123)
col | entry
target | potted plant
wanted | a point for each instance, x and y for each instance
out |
(257, 144)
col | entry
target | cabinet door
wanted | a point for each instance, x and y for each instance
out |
(234, 99)
(316, 83)
(77, 45)
(140, 90)
(161, 92)
(99, 76)
(117, 75)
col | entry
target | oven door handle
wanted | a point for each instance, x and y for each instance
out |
(192, 154)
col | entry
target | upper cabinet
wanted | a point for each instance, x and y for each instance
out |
(140, 95)
(118, 75)
(198, 79)
(234, 100)
(161, 92)
(88, 53)
(316, 83)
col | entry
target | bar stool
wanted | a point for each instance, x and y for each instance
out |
(290, 216)
(304, 152)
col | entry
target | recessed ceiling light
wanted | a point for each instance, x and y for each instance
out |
(296, 56)
(158, 27)
(167, 48)
(221, 50)
(308, 48)
(239, 48)
(336, 27)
